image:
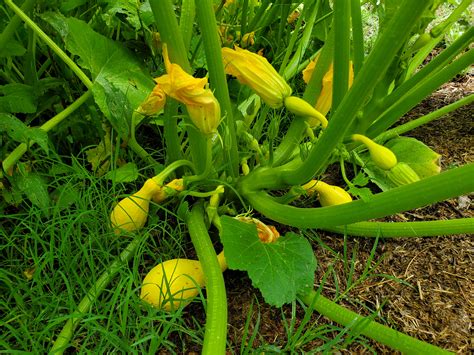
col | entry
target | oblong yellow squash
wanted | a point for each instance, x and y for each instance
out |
(174, 283)
(329, 195)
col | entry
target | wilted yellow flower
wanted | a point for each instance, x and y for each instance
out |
(154, 102)
(202, 106)
(248, 39)
(266, 233)
(255, 71)
(324, 102)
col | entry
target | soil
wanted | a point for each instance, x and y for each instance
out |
(432, 298)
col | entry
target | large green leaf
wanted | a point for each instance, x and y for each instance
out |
(281, 270)
(21, 133)
(17, 98)
(116, 72)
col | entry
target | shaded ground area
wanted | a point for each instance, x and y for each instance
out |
(422, 287)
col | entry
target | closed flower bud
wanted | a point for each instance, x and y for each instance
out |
(255, 71)
(131, 213)
(383, 157)
(170, 189)
(402, 174)
(329, 195)
(174, 283)
(301, 107)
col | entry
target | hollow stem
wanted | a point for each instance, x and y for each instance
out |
(364, 325)
(451, 183)
(216, 310)
(406, 229)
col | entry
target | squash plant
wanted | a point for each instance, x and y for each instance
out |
(230, 157)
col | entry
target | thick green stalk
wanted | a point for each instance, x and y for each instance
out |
(374, 68)
(216, 311)
(357, 35)
(186, 21)
(435, 65)
(419, 92)
(15, 21)
(291, 45)
(207, 24)
(65, 336)
(366, 326)
(14, 156)
(451, 183)
(304, 41)
(167, 25)
(54, 47)
(207, 164)
(342, 35)
(407, 229)
(406, 127)
(170, 131)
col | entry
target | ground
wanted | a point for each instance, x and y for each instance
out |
(430, 292)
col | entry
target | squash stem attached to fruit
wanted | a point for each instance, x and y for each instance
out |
(368, 327)
(64, 337)
(216, 310)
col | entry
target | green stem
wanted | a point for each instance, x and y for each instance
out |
(363, 325)
(14, 156)
(438, 63)
(173, 146)
(216, 310)
(407, 229)
(357, 35)
(392, 38)
(186, 21)
(419, 92)
(451, 183)
(342, 35)
(161, 177)
(217, 77)
(207, 164)
(243, 17)
(54, 47)
(64, 337)
(399, 130)
(13, 24)
(291, 45)
(165, 19)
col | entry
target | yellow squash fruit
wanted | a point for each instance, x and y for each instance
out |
(383, 157)
(174, 283)
(131, 213)
(329, 195)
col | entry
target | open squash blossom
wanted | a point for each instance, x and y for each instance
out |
(266, 234)
(255, 71)
(329, 195)
(174, 283)
(324, 102)
(131, 213)
(383, 157)
(203, 108)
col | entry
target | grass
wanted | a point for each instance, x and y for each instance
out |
(51, 260)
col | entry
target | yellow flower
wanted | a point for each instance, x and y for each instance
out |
(255, 71)
(324, 102)
(154, 102)
(248, 39)
(203, 108)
